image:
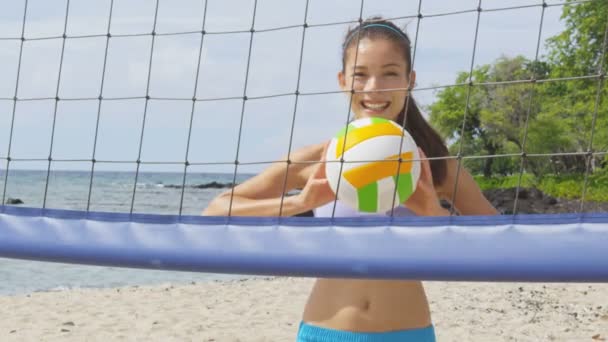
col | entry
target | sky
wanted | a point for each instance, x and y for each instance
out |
(263, 126)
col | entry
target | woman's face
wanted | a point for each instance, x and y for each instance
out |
(380, 66)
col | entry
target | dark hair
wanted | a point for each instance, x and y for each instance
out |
(410, 116)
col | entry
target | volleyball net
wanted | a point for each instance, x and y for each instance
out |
(568, 247)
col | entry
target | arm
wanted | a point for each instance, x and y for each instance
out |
(468, 200)
(424, 201)
(262, 194)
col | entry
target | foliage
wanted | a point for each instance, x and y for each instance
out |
(560, 186)
(507, 108)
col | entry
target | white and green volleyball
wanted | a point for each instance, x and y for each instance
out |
(371, 178)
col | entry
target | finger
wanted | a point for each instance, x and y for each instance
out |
(319, 172)
(324, 151)
(320, 169)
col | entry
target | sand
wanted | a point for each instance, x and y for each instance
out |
(269, 309)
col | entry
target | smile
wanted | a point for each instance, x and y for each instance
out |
(375, 106)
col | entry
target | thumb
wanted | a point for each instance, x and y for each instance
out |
(324, 151)
(319, 172)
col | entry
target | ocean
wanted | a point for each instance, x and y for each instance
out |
(155, 192)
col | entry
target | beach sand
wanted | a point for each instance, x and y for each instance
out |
(269, 309)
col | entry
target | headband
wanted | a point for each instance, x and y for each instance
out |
(384, 26)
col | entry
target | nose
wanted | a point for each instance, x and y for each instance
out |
(372, 85)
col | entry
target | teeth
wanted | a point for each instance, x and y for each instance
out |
(375, 105)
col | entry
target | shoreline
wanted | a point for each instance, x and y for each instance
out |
(269, 309)
(24, 277)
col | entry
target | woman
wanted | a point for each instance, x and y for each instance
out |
(376, 64)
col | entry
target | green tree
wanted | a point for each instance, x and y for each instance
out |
(496, 113)
(579, 51)
(555, 116)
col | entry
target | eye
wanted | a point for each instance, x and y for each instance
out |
(392, 74)
(358, 75)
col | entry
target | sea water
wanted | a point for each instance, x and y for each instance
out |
(154, 192)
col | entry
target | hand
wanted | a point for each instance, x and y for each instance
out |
(424, 200)
(317, 191)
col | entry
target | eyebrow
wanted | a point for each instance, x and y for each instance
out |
(384, 66)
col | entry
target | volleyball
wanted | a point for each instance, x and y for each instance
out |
(363, 165)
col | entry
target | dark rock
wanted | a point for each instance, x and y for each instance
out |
(523, 193)
(213, 185)
(550, 200)
(534, 201)
(14, 201)
(210, 185)
(172, 186)
(529, 200)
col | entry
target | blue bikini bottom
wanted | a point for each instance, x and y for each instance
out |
(311, 333)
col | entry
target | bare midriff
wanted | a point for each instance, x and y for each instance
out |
(367, 305)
